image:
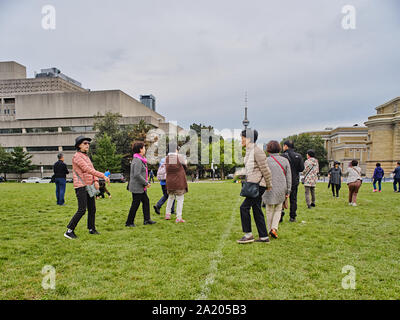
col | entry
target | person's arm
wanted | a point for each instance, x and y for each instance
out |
(288, 178)
(301, 164)
(66, 169)
(261, 160)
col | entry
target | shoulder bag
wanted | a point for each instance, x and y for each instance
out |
(91, 189)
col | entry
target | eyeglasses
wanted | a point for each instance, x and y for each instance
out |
(88, 143)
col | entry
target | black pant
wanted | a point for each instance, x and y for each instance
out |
(258, 214)
(335, 187)
(138, 198)
(102, 191)
(293, 202)
(84, 202)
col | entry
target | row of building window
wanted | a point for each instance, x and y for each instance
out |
(45, 148)
(47, 130)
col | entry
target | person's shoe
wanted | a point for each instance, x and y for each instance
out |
(130, 225)
(157, 209)
(354, 204)
(244, 239)
(312, 204)
(173, 212)
(350, 203)
(149, 222)
(93, 231)
(374, 190)
(180, 221)
(266, 240)
(167, 217)
(273, 234)
(380, 190)
(70, 235)
(292, 220)
(309, 206)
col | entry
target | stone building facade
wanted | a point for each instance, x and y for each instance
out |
(384, 137)
(45, 115)
(344, 144)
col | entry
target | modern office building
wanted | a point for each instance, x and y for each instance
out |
(149, 101)
(45, 114)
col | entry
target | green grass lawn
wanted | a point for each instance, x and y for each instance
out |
(199, 259)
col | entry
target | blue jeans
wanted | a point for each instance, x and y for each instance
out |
(379, 183)
(60, 190)
(164, 198)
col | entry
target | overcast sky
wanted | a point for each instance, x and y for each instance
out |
(301, 69)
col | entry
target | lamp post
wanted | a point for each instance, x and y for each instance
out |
(245, 122)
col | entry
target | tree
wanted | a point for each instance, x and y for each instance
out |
(105, 156)
(305, 141)
(5, 162)
(21, 162)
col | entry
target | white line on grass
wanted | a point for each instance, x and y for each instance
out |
(213, 270)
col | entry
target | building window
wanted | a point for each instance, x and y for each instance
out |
(10, 131)
(38, 149)
(42, 130)
(77, 129)
(69, 148)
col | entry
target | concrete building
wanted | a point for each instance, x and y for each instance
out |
(344, 144)
(384, 137)
(45, 114)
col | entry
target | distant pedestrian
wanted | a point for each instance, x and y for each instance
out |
(138, 185)
(296, 167)
(378, 175)
(310, 177)
(335, 178)
(151, 176)
(396, 177)
(84, 175)
(354, 181)
(162, 177)
(177, 186)
(60, 178)
(258, 179)
(281, 179)
(107, 173)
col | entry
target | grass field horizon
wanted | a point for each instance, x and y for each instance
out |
(199, 259)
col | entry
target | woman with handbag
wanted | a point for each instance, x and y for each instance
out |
(281, 177)
(258, 179)
(311, 170)
(138, 185)
(86, 184)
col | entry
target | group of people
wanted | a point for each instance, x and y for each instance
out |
(171, 174)
(271, 181)
(277, 178)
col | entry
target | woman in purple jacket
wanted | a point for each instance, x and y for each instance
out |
(378, 175)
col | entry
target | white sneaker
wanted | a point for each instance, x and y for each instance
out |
(350, 203)
(354, 204)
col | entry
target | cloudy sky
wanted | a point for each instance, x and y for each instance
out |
(301, 69)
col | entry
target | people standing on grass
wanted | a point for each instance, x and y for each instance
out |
(378, 175)
(151, 176)
(107, 173)
(396, 177)
(335, 178)
(257, 173)
(176, 166)
(296, 167)
(102, 190)
(162, 177)
(310, 177)
(60, 178)
(281, 180)
(138, 185)
(354, 181)
(84, 175)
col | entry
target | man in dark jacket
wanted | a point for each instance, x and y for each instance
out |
(296, 166)
(396, 177)
(60, 174)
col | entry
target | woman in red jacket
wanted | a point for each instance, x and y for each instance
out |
(84, 175)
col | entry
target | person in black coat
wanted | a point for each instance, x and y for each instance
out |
(60, 174)
(296, 166)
